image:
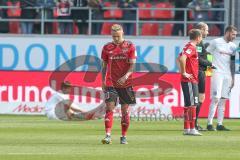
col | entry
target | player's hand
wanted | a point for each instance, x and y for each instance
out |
(188, 76)
(69, 114)
(122, 80)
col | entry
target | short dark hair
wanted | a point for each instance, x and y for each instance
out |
(194, 34)
(66, 84)
(230, 29)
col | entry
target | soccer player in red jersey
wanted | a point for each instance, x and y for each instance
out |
(118, 59)
(188, 66)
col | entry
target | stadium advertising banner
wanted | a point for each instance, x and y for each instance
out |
(26, 92)
(48, 53)
(235, 99)
(28, 63)
(158, 95)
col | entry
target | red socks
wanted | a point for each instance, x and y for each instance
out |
(186, 118)
(193, 113)
(125, 121)
(189, 117)
(108, 122)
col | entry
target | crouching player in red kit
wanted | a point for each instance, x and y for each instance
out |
(118, 59)
(188, 66)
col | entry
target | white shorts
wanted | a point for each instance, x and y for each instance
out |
(220, 85)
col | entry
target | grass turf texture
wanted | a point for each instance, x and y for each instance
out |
(36, 138)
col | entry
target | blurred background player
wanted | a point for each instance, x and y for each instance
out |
(200, 9)
(223, 50)
(203, 65)
(118, 58)
(188, 66)
(60, 107)
(129, 13)
(178, 28)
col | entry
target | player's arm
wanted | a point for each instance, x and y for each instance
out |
(104, 70)
(104, 57)
(76, 108)
(72, 106)
(123, 79)
(232, 68)
(182, 66)
(182, 63)
(132, 63)
(132, 55)
(206, 63)
(210, 50)
(178, 64)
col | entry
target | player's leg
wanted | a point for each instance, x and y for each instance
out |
(51, 114)
(125, 122)
(201, 89)
(62, 111)
(97, 112)
(190, 92)
(212, 109)
(194, 104)
(222, 102)
(126, 97)
(221, 110)
(67, 110)
(216, 89)
(110, 99)
(76, 113)
(187, 103)
(198, 109)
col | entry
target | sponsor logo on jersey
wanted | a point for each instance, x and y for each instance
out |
(188, 51)
(118, 57)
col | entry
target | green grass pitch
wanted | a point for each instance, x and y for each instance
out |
(36, 138)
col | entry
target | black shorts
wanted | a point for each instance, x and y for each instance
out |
(190, 92)
(201, 81)
(125, 95)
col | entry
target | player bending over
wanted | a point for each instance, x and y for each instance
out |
(60, 107)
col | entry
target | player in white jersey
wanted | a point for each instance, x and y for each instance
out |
(223, 51)
(60, 107)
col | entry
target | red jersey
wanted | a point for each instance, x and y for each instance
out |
(117, 58)
(191, 62)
